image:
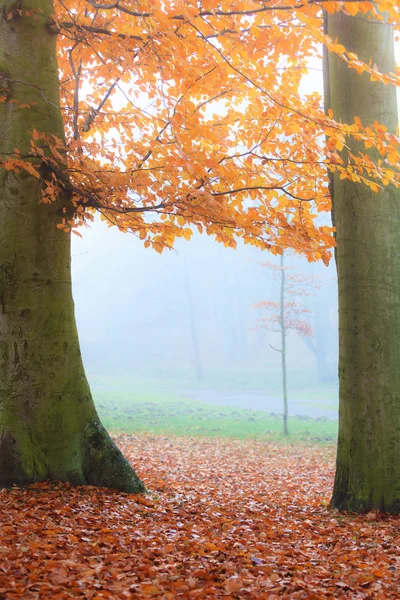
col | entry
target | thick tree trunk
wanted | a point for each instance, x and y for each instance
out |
(49, 428)
(368, 264)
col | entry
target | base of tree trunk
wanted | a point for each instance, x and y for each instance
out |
(347, 499)
(92, 460)
(105, 464)
(351, 505)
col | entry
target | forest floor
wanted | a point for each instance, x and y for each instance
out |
(224, 518)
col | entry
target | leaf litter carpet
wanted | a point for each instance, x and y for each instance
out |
(224, 519)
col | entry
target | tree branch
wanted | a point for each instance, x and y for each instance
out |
(261, 187)
(93, 112)
(276, 349)
(133, 13)
(99, 30)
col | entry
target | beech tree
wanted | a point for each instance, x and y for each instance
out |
(161, 117)
(368, 266)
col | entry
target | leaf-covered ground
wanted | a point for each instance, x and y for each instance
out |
(224, 519)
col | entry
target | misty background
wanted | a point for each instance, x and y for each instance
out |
(184, 322)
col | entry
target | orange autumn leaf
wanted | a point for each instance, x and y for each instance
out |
(148, 589)
(352, 8)
(302, 549)
(176, 116)
(233, 584)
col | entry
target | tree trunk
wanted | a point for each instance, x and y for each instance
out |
(283, 349)
(49, 428)
(368, 265)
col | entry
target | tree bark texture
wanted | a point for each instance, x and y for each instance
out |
(368, 266)
(49, 428)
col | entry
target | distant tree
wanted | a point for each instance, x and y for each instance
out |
(286, 314)
(324, 339)
(193, 325)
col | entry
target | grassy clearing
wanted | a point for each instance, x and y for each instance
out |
(160, 413)
(302, 382)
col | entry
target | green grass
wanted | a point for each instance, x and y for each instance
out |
(301, 381)
(168, 413)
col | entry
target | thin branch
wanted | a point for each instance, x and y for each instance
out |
(77, 74)
(99, 30)
(129, 209)
(213, 13)
(36, 87)
(261, 187)
(133, 13)
(223, 93)
(93, 112)
(276, 349)
(223, 13)
(255, 85)
(289, 160)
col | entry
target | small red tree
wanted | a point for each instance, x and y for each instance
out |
(286, 315)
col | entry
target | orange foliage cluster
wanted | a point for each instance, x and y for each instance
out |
(187, 114)
(286, 314)
(225, 519)
(291, 320)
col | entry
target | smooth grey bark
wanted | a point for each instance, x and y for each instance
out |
(49, 428)
(368, 265)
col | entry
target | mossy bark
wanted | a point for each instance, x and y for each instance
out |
(49, 428)
(368, 265)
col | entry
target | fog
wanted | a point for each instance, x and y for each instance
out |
(184, 321)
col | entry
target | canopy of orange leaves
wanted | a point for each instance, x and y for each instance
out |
(187, 115)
